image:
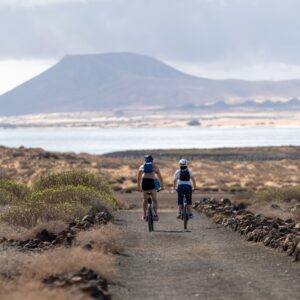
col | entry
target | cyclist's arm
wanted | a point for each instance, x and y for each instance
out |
(139, 181)
(175, 183)
(194, 182)
(160, 178)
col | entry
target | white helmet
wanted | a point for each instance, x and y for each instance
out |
(183, 163)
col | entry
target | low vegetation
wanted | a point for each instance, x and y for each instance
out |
(12, 192)
(72, 178)
(283, 202)
(278, 194)
(62, 196)
(106, 239)
(61, 208)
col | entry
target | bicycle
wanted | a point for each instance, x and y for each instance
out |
(150, 210)
(150, 213)
(185, 213)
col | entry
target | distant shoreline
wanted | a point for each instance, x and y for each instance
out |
(153, 120)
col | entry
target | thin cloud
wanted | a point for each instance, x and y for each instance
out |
(28, 3)
(235, 33)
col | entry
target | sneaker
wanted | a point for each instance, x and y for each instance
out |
(155, 218)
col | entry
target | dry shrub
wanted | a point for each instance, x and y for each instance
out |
(23, 233)
(12, 192)
(217, 218)
(12, 231)
(55, 227)
(34, 290)
(104, 238)
(286, 194)
(7, 197)
(30, 214)
(295, 211)
(64, 260)
(12, 263)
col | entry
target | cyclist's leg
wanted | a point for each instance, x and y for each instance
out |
(145, 203)
(154, 199)
(188, 195)
(180, 196)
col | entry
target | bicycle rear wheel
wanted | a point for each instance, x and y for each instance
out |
(185, 216)
(150, 219)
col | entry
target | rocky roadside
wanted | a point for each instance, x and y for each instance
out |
(45, 240)
(85, 280)
(283, 235)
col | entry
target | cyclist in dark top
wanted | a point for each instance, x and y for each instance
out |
(184, 182)
(146, 183)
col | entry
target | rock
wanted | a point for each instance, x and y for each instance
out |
(45, 236)
(76, 279)
(240, 206)
(45, 240)
(275, 206)
(283, 235)
(85, 280)
(87, 247)
(289, 221)
(225, 201)
(88, 218)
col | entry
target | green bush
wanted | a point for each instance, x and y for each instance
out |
(61, 203)
(62, 196)
(12, 192)
(79, 194)
(75, 178)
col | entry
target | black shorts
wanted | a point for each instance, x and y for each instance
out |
(148, 184)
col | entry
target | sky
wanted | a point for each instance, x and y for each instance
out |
(244, 39)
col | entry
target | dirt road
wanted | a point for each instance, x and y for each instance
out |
(205, 262)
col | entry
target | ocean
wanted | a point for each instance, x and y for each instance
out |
(99, 141)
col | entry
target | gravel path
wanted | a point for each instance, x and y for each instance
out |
(206, 262)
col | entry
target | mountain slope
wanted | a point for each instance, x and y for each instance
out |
(116, 81)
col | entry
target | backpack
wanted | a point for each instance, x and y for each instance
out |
(185, 175)
(148, 167)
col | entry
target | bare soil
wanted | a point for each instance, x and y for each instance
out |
(205, 262)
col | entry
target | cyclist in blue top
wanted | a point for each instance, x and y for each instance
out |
(184, 182)
(147, 183)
